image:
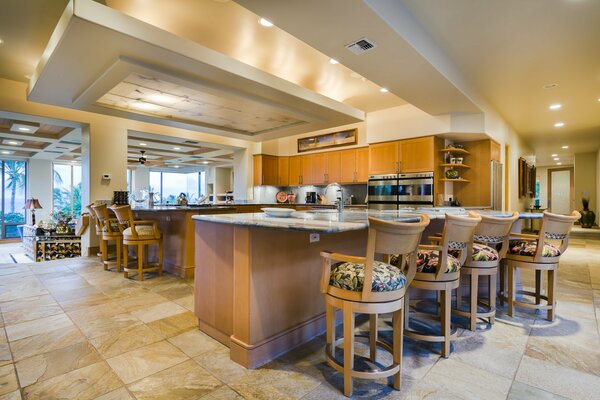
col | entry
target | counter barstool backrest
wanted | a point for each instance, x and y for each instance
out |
(107, 223)
(95, 218)
(555, 227)
(494, 231)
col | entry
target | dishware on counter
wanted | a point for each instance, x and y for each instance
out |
(452, 160)
(291, 198)
(281, 197)
(278, 212)
(311, 198)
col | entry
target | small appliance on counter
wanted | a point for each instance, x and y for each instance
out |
(229, 197)
(311, 198)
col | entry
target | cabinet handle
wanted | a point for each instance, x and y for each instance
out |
(397, 166)
(300, 179)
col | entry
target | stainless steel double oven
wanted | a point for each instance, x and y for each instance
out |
(393, 192)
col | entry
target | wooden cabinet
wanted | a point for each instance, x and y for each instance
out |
(306, 169)
(402, 156)
(295, 170)
(362, 164)
(354, 165)
(319, 169)
(383, 158)
(283, 164)
(266, 169)
(348, 161)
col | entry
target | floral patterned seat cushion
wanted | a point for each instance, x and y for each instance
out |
(141, 230)
(351, 276)
(528, 248)
(114, 227)
(481, 252)
(427, 260)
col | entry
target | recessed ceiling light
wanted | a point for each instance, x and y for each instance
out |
(205, 162)
(24, 126)
(384, 90)
(556, 158)
(553, 155)
(598, 98)
(11, 142)
(176, 148)
(558, 163)
(333, 61)
(140, 105)
(559, 124)
(6, 152)
(565, 147)
(550, 85)
(555, 106)
(143, 144)
(265, 22)
(163, 98)
(1, 41)
(175, 166)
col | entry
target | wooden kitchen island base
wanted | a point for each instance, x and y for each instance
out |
(257, 289)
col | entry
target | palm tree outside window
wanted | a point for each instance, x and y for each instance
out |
(12, 197)
(66, 189)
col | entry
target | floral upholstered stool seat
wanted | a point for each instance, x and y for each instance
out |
(490, 244)
(343, 284)
(540, 253)
(438, 269)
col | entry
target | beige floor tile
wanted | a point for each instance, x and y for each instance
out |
(29, 308)
(184, 381)
(45, 342)
(20, 290)
(194, 342)
(88, 300)
(521, 391)
(72, 294)
(58, 362)
(84, 383)
(3, 338)
(145, 361)
(8, 379)
(220, 365)
(119, 394)
(109, 325)
(109, 309)
(5, 355)
(37, 326)
(127, 339)
(186, 302)
(175, 325)
(177, 292)
(141, 300)
(158, 311)
(559, 380)
(16, 395)
(223, 393)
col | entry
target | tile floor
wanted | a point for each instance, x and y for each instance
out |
(70, 330)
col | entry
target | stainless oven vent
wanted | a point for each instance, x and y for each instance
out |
(361, 45)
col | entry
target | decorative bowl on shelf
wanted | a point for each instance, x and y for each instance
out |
(452, 174)
(278, 212)
(456, 146)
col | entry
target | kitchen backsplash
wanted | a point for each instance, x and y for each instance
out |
(266, 194)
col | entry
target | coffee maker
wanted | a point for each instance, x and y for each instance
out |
(311, 198)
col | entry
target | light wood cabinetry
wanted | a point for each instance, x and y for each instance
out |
(334, 167)
(306, 168)
(402, 156)
(362, 164)
(384, 158)
(295, 170)
(266, 170)
(283, 164)
(348, 161)
(319, 170)
(354, 165)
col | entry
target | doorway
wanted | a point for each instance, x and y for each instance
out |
(13, 182)
(560, 190)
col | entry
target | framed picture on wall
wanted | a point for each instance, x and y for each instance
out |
(334, 139)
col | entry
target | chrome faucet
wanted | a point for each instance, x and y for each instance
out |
(339, 201)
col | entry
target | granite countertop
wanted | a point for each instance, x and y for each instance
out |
(329, 221)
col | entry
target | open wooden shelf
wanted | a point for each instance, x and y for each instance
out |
(454, 150)
(454, 180)
(455, 165)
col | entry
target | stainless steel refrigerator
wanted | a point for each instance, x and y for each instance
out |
(496, 189)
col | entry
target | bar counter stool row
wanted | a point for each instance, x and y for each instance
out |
(470, 246)
(127, 232)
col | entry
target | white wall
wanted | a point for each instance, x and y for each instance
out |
(140, 177)
(222, 180)
(39, 186)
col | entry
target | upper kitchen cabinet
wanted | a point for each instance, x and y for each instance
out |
(326, 168)
(354, 165)
(266, 170)
(300, 168)
(283, 171)
(403, 156)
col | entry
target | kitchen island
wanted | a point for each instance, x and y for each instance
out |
(257, 277)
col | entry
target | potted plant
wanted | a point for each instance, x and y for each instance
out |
(587, 216)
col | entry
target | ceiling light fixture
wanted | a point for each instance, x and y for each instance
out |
(558, 163)
(333, 61)
(556, 158)
(24, 126)
(384, 90)
(559, 124)
(140, 105)
(176, 148)
(163, 98)
(555, 106)
(175, 166)
(11, 142)
(143, 144)
(565, 147)
(205, 162)
(7, 152)
(553, 155)
(265, 22)
(1, 41)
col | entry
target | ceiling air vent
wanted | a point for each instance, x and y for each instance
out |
(191, 142)
(361, 45)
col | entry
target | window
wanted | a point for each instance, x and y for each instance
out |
(171, 184)
(14, 179)
(129, 179)
(66, 192)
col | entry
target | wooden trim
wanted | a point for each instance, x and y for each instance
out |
(571, 186)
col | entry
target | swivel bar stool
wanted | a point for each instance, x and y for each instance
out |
(343, 284)
(110, 232)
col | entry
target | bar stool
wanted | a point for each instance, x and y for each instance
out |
(98, 228)
(343, 286)
(109, 232)
(483, 259)
(539, 253)
(439, 270)
(138, 234)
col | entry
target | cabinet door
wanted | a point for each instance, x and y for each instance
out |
(265, 170)
(319, 168)
(306, 169)
(383, 158)
(348, 165)
(257, 169)
(284, 171)
(295, 168)
(334, 171)
(362, 164)
(416, 155)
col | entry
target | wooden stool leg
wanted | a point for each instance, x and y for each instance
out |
(473, 309)
(502, 282)
(492, 296)
(538, 286)
(348, 348)
(373, 336)
(140, 257)
(330, 329)
(446, 297)
(551, 290)
(406, 309)
(511, 288)
(160, 258)
(459, 293)
(118, 259)
(398, 336)
(104, 251)
(125, 260)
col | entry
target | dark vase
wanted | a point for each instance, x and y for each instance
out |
(587, 216)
